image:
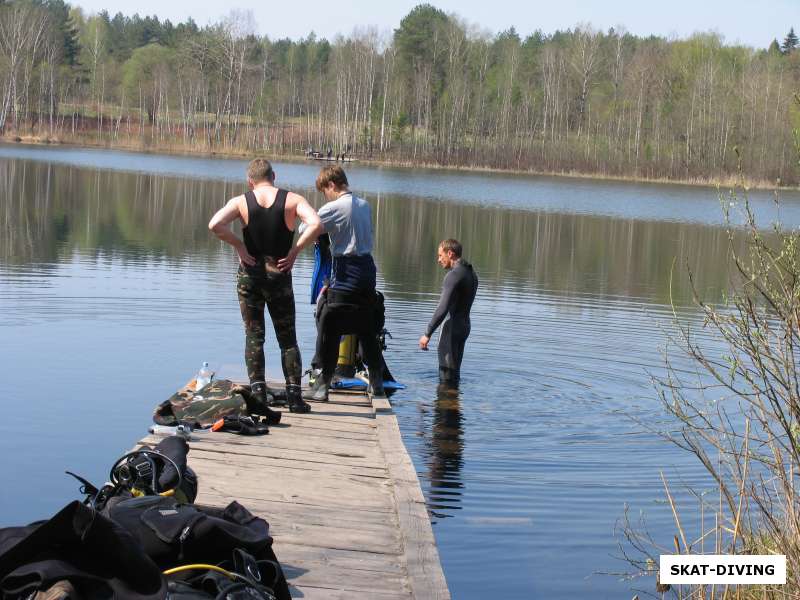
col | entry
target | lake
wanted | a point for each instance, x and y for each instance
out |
(113, 293)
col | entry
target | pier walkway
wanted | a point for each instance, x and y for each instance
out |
(341, 495)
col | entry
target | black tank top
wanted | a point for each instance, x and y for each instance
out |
(266, 233)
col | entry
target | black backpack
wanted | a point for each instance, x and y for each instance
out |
(99, 557)
(122, 552)
(174, 534)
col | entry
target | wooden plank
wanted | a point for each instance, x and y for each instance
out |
(308, 427)
(381, 405)
(425, 573)
(294, 454)
(313, 513)
(345, 579)
(322, 593)
(330, 422)
(233, 444)
(339, 539)
(285, 460)
(343, 412)
(366, 449)
(346, 405)
(346, 559)
(283, 518)
(218, 498)
(277, 484)
(278, 472)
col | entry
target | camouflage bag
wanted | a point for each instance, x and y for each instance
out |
(218, 399)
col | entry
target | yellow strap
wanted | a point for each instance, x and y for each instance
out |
(200, 566)
(139, 493)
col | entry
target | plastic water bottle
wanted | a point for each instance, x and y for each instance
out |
(166, 430)
(183, 430)
(203, 377)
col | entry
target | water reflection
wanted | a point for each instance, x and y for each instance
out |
(446, 453)
(48, 212)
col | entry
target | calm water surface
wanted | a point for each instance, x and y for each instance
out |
(112, 294)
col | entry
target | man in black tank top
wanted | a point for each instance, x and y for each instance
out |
(266, 256)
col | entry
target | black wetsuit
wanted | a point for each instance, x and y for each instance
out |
(350, 306)
(458, 293)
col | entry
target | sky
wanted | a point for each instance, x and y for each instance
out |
(749, 22)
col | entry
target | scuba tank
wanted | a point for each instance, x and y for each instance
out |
(346, 364)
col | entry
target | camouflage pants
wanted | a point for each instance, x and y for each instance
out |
(275, 291)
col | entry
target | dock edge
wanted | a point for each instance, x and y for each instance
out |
(425, 573)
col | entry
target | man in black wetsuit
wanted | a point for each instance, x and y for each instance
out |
(266, 257)
(458, 293)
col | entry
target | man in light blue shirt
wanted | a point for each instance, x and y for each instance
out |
(350, 304)
(347, 219)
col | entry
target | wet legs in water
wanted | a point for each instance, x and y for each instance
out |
(451, 353)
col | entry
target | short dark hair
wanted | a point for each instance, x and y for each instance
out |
(260, 169)
(331, 174)
(451, 245)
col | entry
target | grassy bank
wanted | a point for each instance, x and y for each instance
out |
(182, 149)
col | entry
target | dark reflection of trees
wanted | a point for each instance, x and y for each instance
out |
(49, 211)
(563, 253)
(446, 457)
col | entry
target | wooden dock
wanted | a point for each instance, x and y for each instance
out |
(341, 495)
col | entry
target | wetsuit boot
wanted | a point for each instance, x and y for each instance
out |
(296, 404)
(376, 384)
(259, 405)
(318, 392)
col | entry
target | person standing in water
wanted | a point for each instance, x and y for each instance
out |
(266, 257)
(458, 293)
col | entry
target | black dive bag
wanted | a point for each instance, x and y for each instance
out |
(119, 553)
(175, 534)
(100, 558)
(118, 543)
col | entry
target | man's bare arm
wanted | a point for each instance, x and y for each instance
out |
(313, 228)
(220, 223)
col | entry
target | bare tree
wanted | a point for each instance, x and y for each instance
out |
(22, 28)
(583, 58)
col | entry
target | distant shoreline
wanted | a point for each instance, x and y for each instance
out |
(169, 149)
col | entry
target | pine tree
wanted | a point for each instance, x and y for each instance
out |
(790, 42)
(66, 30)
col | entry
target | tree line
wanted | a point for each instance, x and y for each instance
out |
(436, 90)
